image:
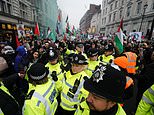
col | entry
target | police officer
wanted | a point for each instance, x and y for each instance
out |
(107, 57)
(145, 106)
(92, 61)
(106, 87)
(41, 97)
(80, 49)
(53, 63)
(8, 104)
(72, 87)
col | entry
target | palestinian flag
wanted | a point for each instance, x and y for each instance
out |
(119, 38)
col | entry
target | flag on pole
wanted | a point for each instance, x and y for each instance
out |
(37, 32)
(17, 41)
(58, 24)
(73, 31)
(57, 28)
(119, 37)
(59, 18)
(48, 32)
(68, 29)
(51, 35)
(65, 38)
(66, 19)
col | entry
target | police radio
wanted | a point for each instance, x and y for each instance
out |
(54, 75)
(75, 88)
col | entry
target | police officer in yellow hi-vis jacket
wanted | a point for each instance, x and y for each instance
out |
(106, 87)
(53, 63)
(72, 87)
(92, 61)
(146, 105)
(41, 97)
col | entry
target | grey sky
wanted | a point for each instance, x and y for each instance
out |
(75, 9)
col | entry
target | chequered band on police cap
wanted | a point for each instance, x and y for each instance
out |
(81, 61)
(38, 77)
(94, 54)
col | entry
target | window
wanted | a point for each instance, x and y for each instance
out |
(110, 18)
(106, 11)
(102, 21)
(9, 8)
(116, 4)
(103, 12)
(128, 11)
(139, 5)
(122, 2)
(114, 15)
(105, 20)
(104, 3)
(111, 7)
(23, 10)
(120, 15)
(2, 6)
(153, 5)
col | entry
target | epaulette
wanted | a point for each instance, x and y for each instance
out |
(29, 96)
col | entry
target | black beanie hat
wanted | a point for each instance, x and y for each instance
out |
(37, 72)
(107, 81)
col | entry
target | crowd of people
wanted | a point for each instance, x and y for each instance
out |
(77, 77)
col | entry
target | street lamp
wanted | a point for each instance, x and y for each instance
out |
(144, 8)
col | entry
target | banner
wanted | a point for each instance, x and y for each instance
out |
(136, 36)
(20, 30)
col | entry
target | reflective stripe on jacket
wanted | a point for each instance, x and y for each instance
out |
(146, 105)
(129, 82)
(70, 100)
(43, 101)
(131, 62)
(1, 113)
(91, 67)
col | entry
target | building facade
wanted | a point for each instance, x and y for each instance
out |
(137, 15)
(86, 19)
(95, 23)
(13, 12)
(46, 14)
(26, 12)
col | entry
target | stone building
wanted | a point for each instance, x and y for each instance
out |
(86, 19)
(26, 12)
(137, 15)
